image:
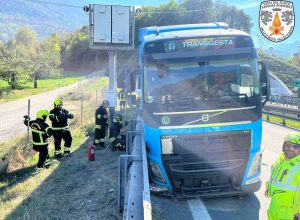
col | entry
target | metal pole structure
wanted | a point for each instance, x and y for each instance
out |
(126, 92)
(28, 113)
(112, 79)
(96, 101)
(81, 107)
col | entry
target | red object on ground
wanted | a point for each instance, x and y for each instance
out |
(91, 152)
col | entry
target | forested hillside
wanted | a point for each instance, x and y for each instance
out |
(43, 18)
(282, 69)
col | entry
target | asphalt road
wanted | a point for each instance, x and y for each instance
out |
(11, 113)
(251, 207)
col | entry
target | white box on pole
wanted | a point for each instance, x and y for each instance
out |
(111, 96)
(102, 24)
(120, 24)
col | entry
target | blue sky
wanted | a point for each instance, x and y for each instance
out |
(250, 7)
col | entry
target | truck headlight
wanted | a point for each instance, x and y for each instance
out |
(156, 172)
(256, 165)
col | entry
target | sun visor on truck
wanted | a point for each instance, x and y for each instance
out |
(201, 47)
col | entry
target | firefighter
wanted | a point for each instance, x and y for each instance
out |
(118, 140)
(122, 99)
(284, 185)
(101, 123)
(40, 131)
(61, 130)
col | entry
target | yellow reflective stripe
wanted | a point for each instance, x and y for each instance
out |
(57, 128)
(36, 125)
(205, 125)
(292, 173)
(47, 162)
(202, 111)
(98, 126)
(101, 140)
(99, 116)
(41, 137)
(97, 141)
(286, 186)
(42, 143)
(37, 131)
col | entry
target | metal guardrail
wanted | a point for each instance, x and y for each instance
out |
(285, 100)
(285, 113)
(134, 194)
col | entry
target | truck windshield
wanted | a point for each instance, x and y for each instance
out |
(167, 82)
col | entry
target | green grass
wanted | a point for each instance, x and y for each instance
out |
(74, 186)
(26, 89)
(289, 123)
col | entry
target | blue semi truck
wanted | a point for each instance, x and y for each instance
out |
(201, 91)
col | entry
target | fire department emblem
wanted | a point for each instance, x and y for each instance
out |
(276, 20)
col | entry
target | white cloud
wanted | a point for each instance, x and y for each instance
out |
(248, 5)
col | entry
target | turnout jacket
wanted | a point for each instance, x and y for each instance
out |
(59, 118)
(284, 189)
(40, 131)
(101, 116)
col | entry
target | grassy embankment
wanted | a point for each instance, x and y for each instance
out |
(26, 88)
(72, 187)
(278, 120)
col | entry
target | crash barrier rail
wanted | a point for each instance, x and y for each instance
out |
(281, 112)
(285, 100)
(134, 194)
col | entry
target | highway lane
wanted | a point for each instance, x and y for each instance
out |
(251, 207)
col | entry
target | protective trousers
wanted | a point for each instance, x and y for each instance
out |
(44, 159)
(66, 136)
(99, 135)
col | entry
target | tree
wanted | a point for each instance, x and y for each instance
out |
(13, 66)
(46, 59)
(26, 36)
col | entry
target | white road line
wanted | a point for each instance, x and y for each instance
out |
(198, 210)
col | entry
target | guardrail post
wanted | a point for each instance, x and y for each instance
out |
(268, 117)
(283, 122)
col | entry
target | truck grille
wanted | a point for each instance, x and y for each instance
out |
(206, 166)
(205, 161)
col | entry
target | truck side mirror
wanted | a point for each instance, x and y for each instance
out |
(264, 81)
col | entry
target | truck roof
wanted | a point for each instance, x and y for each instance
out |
(188, 31)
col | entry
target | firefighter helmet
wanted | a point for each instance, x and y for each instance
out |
(42, 114)
(105, 103)
(58, 102)
(117, 118)
(293, 138)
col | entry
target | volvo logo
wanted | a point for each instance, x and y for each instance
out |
(205, 118)
(165, 120)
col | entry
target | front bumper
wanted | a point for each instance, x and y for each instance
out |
(246, 189)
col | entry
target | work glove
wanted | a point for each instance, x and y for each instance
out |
(70, 115)
(49, 132)
(26, 119)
